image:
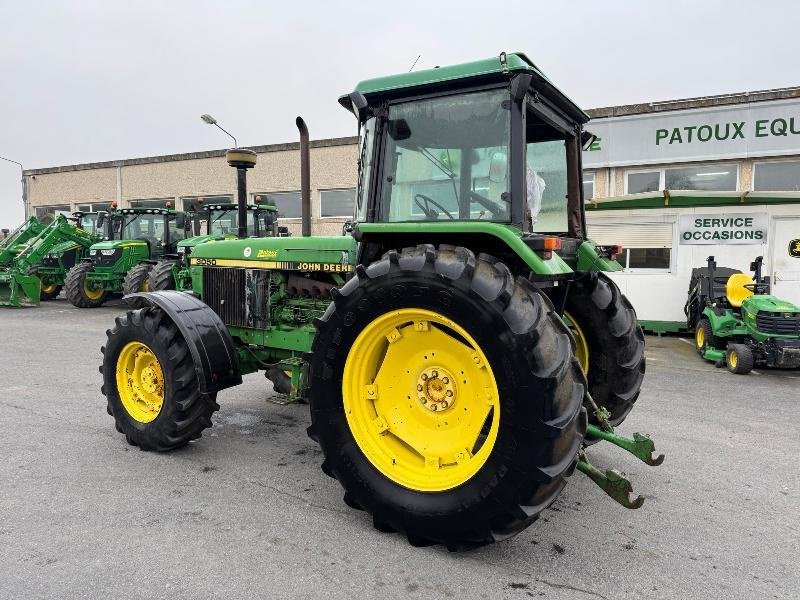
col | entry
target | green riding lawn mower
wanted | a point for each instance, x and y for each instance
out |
(137, 238)
(449, 396)
(738, 323)
(34, 265)
(172, 272)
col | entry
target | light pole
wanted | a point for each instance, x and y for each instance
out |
(212, 121)
(24, 184)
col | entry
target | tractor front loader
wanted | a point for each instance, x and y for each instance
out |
(459, 351)
(122, 262)
(11, 245)
(37, 271)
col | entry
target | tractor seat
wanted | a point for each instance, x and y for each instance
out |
(735, 290)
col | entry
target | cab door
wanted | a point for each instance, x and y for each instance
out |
(786, 259)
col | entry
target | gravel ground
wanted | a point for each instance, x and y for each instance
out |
(245, 512)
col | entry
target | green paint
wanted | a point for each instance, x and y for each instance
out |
(509, 235)
(664, 199)
(662, 326)
(589, 259)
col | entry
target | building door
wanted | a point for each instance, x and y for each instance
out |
(786, 259)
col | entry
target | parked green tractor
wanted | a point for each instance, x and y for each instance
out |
(221, 223)
(13, 244)
(40, 264)
(738, 323)
(445, 389)
(122, 262)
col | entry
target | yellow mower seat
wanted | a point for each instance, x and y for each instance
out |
(735, 290)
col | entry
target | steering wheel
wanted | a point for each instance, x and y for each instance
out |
(430, 213)
(757, 288)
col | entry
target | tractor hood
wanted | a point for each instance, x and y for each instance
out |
(116, 244)
(335, 254)
(763, 302)
(202, 239)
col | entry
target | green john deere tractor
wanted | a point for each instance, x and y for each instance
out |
(138, 238)
(39, 265)
(14, 242)
(738, 323)
(221, 223)
(449, 397)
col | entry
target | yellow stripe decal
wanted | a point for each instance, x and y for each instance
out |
(271, 264)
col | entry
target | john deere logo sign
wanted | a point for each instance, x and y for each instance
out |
(733, 228)
(794, 248)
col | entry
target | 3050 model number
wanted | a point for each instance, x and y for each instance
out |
(205, 262)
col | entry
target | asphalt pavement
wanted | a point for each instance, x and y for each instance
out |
(246, 512)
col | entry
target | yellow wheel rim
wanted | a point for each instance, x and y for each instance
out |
(421, 400)
(90, 292)
(145, 286)
(581, 343)
(140, 382)
(48, 288)
(700, 337)
(733, 359)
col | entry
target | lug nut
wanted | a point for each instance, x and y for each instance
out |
(449, 393)
(444, 404)
(434, 407)
(423, 399)
(445, 380)
(424, 377)
(419, 387)
(434, 374)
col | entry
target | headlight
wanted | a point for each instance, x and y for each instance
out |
(108, 252)
(92, 252)
(181, 249)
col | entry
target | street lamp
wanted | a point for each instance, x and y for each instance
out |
(212, 121)
(24, 183)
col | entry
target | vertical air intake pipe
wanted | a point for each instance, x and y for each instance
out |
(305, 178)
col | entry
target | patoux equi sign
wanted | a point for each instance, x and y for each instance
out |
(732, 228)
(758, 129)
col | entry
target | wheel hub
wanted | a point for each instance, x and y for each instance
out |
(140, 382)
(436, 389)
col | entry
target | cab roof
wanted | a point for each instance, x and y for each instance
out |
(497, 68)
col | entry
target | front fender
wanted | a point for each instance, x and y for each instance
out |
(214, 354)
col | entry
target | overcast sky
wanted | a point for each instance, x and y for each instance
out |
(102, 80)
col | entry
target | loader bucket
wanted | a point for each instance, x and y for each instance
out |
(17, 290)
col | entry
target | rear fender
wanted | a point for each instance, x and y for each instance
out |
(216, 360)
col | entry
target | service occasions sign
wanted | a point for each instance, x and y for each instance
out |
(731, 228)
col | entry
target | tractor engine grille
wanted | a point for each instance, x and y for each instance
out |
(778, 323)
(240, 297)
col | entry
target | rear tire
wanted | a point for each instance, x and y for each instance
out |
(739, 359)
(77, 289)
(539, 391)
(161, 276)
(184, 411)
(615, 343)
(135, 282)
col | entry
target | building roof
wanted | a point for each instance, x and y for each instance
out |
(699, 102)
(324, 143)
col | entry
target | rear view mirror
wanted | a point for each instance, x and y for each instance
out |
(399, 130)
(101, 219)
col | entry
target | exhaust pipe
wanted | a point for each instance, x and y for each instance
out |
(305, 178)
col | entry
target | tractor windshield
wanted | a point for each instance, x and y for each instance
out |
(446, 159)
(224, 222)
(146, 226)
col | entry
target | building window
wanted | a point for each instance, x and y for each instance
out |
(337, 203)
(151, 203)
(720, 177)
(777, 176)
(642, 181)
(646, 245)
(91, 207)
(588, 185)
(287, 203)
(46, 214)
(195, 203)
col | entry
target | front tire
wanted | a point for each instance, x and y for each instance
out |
(79, 291)
(150, 383)
(136, 281)
(505, 377)
(49, 291)
(604, 323)
(739, 359)
(162, 276)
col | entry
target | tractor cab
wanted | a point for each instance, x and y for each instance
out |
(489, 142)
(222, 220)
(160, 228)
